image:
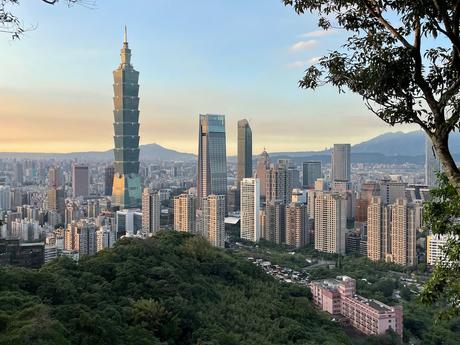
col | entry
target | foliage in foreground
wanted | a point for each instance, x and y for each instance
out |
(171, 289)
(442, 216)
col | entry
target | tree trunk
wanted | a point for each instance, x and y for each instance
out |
(441, 146)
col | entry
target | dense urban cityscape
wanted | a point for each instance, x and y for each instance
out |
(347, 235)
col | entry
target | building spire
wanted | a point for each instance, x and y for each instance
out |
(125, 37)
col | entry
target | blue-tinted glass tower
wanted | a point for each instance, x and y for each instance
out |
(126, 191)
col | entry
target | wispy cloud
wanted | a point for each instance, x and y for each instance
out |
(304, 63)
(319, 33)
(303, 45)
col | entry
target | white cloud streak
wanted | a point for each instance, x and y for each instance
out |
(304, 45)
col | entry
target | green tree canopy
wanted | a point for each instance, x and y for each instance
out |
(402, 57)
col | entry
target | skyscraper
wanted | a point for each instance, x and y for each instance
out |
(274, 228)
(311, 172)
(263, 164)
(432, 164)
(108, 180)
(212, 156)
(126, 191)
(377, 229)
(330, 222)
(250, 209)
(214, 219)
(80, 181)
(244, 168)
(150, 211)
(54, 177)
(185, 213)
(341, 162)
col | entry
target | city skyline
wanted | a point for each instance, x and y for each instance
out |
(261, 85)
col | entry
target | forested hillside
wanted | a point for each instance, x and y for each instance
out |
(171, 289)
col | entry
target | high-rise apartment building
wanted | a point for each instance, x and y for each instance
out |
(244, 164)
(311, 172)
(341, 162)
(274, 229)
(151, 211)
(126, 192)
(392, 231)
(263, 164)
(250, 209)
(377, 229)
(80, 181)
(330, 222)
(212, 157)
(5, 198)
(403, 233)
(297, 225)
(108, 180)
(185, 213)
(213, 209)
(435, 253)
(432, 164)
(278, 183)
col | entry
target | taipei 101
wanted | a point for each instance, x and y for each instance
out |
(229, 172)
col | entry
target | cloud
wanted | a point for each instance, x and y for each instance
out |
(319, 33)
(304, 45)
(304, 63)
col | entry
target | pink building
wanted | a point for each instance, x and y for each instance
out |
(338, 296)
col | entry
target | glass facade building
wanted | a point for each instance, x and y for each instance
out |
(244, 169)
(126, 192)
(212, 156)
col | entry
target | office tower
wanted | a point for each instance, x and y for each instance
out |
(214, 219)
(278, 183)
(435, 253)
(263, 164)
(128, 222)
(212, 157)
(403, 233)
(54, 177)
(244, 165)
(275, 222)
(311, 172)
(19, 173)
(392, 190)
(56, 201)
(5, 198)
(185, 213)
(80, 181)
(341, 162)
(108, 180)
(297, 225)
(233, 199)
(126, 192)
(250, 209)
(330, 222)
(151, 210)
(432, 164)
(377, 229)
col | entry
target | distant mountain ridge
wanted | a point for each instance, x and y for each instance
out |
(391, 147)
(147, 152)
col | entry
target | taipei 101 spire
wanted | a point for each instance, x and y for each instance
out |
(126, 191)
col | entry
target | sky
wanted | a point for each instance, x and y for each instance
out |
(239, 58)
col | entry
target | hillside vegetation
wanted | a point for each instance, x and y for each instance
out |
(171, 289)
